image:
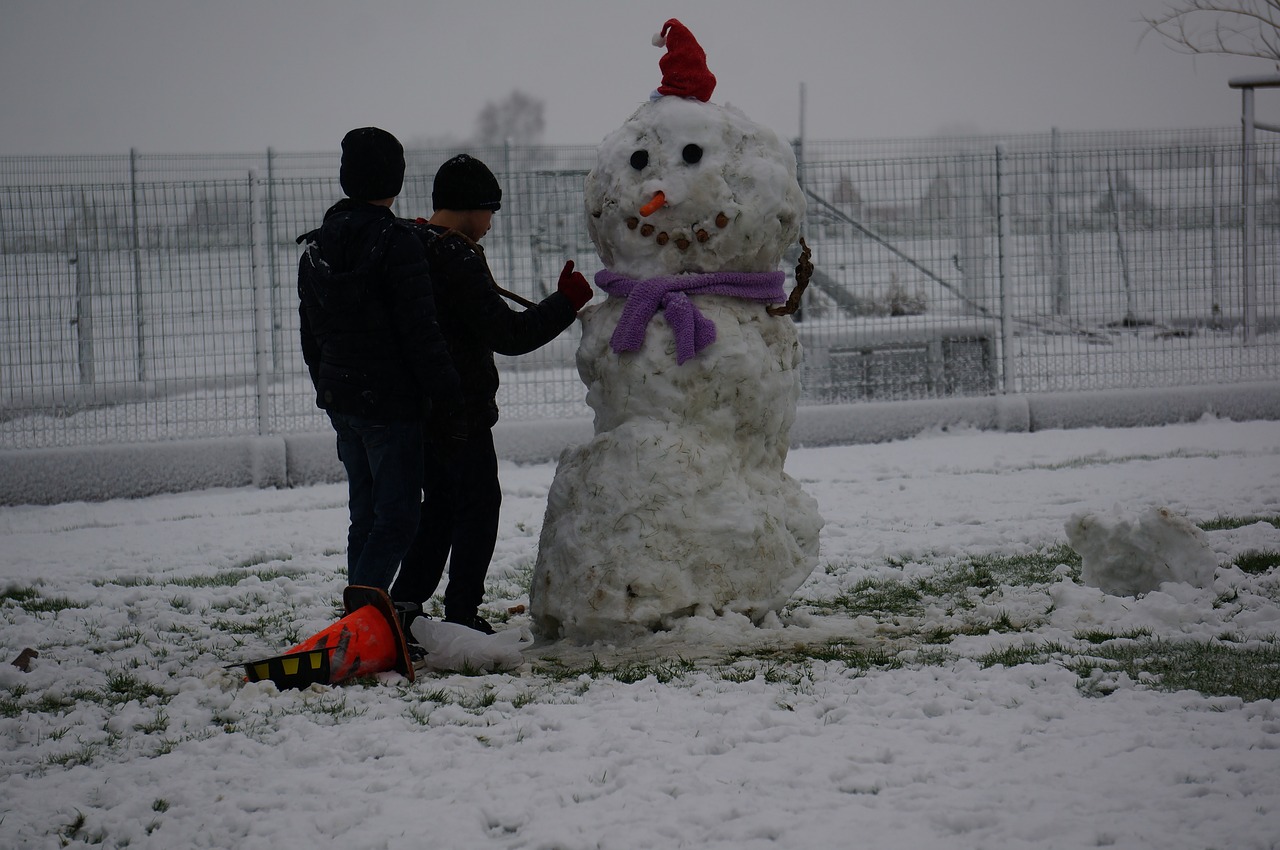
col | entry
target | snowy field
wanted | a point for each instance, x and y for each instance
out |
(982, 712)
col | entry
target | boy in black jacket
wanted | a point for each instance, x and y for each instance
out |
(461, 493)
(375, 353)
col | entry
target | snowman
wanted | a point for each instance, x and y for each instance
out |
(679, 505)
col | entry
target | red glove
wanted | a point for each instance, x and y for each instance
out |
(574, 286)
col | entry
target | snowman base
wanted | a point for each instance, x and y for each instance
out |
(647, 525)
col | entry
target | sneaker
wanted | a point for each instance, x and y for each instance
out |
(408, 612)
(480, 624)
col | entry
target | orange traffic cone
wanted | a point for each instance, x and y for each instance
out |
(368, 640)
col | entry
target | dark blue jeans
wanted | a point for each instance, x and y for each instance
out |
(461, 503)
(384, 475)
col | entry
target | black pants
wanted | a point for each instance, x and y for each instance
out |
(458, 524)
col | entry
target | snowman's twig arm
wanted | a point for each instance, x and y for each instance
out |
(804, 269)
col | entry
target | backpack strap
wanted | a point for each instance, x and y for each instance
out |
(475, 246)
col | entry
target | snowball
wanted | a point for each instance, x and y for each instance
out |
(1126, 556)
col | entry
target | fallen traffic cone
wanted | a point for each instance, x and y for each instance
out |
(295, 670)
(369, 639)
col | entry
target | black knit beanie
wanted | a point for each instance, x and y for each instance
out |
(466, 183)
(372, 165)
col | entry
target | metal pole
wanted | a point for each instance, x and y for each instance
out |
(140, 319)
(87, 226)
(277, 308)
(1130, 299)
(1006, 303)
(1058, 233)
(1215, 249)
(1248, 196)
(261, 304)
(509, 222)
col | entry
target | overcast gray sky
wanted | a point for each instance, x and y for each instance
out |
(161, 76)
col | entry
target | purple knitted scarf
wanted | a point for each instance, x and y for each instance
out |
(693, 331)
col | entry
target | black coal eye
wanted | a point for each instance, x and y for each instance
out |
(692, 153)
(639, 160)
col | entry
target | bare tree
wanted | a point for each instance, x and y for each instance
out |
(1249, 28)
(518, 118)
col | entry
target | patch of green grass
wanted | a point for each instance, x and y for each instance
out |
(1225, 523)
(85, 755)
(1102, 635)
(852, 657)
(991, 571)
(884, 597)
(1002, 623)
(959, 581)
(29, 599)
(124, 687)
(158, 723)
(1012, 656)
(224, 578)
(1213, 669)
(479, 700)
(272, 627)
(1257, 561)
(55, 704)
(738, 674)
(627, 672)
(790, 663)
(19, 594)
(11, 701)
(511, 584)
(75, 831)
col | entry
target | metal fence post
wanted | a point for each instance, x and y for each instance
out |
(509, 225)
(84, 292)
(277, 308)
(1006, 305)
(1117, 225)
(1249, 199)
(1058, 232)
(1215, 247)
(974, 230)
(261, 302)
(139, 312)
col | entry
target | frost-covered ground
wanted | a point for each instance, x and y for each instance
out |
(898, 728)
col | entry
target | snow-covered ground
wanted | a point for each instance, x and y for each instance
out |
(127, 729)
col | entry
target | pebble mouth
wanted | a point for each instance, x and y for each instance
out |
(680, 239)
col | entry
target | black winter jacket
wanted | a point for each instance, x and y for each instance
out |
(477, 321)
(368, 321)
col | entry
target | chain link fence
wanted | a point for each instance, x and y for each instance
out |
(153, 297)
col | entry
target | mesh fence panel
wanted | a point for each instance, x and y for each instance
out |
(158, 301)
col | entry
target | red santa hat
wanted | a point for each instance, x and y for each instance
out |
(684, 67)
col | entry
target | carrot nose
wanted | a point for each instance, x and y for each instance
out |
(656, 203)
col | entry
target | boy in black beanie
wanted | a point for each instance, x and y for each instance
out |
(461, 492)
(375, 353)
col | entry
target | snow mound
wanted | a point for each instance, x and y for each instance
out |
(1129, 555)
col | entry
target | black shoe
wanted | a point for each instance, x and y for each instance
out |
(480, 624)
(408, 612)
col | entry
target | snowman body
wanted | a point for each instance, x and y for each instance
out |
(679, 505)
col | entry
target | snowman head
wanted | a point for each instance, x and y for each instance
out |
(686, 185)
